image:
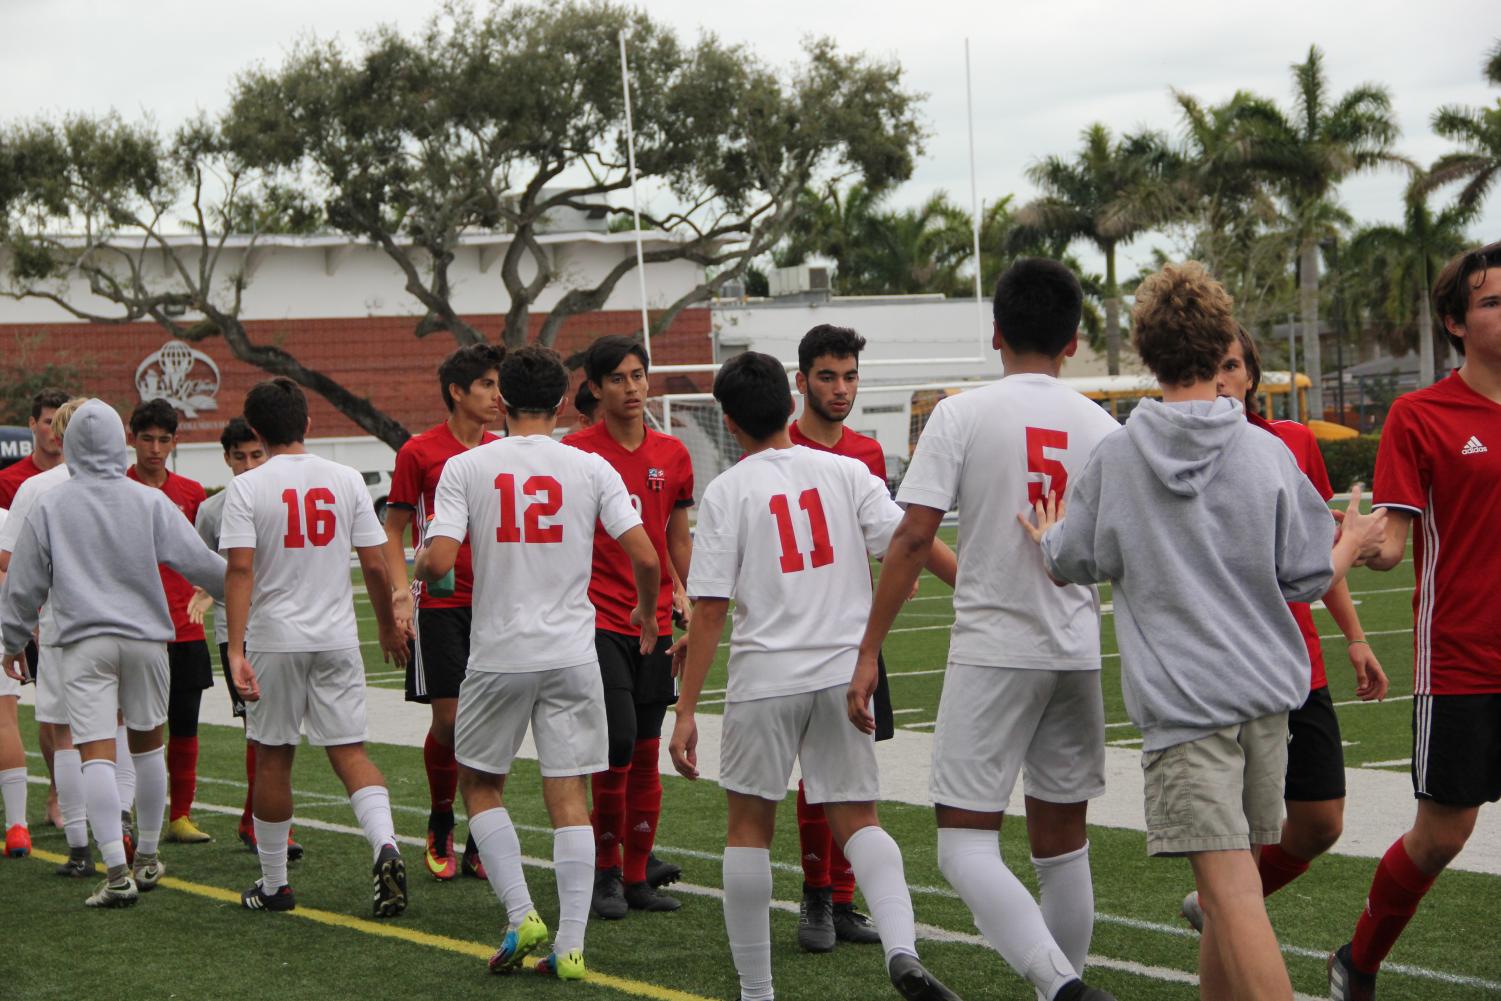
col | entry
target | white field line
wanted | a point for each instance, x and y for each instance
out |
(1403, 762)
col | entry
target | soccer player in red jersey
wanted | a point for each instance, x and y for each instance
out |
(828, 379)
(1439, 470)
(153, 433)
(638, 686)
(46, 451)
(439, 623)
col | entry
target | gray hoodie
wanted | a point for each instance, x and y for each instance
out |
(1206, 529)
(96, 541)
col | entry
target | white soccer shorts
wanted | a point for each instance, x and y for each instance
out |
(9, 687)
(51, 694)
(761, 738)
(997, 722)
(565, 708)
(106, 674)
(322, 692)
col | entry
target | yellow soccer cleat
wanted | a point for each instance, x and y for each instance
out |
(184, 832)
(519, 941)
(568, 966)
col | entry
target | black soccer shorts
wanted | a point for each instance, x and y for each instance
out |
(440, 655)
(1315, 755)
(1456, 748)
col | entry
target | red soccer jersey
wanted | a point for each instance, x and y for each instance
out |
(851, 443)
(187, 495)
(1305, 449)
(419, 465)
(12, 477)
(659, 477)
(1440, 460)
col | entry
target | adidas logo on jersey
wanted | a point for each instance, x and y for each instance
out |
(1473, 447)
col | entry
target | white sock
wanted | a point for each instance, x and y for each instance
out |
(877, 862)
(372, 808)
(573, 864)
(1004, 911)
(125, 770)
(273, 859)
(151, 798)
(747, 918)
(67, 772)
(102, 802)
(500, 850)
(13, 790)
(1068, 902)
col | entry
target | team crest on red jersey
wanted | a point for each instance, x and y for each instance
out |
(656, 479)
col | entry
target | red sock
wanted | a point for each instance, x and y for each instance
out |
(608, 816)
(643, 797)
(1278, 868)
(1395, 892)
(247, 817)
(182, 774)
(815, 839)
(841, 875)
(442, 773)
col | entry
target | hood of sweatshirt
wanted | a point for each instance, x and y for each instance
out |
(1185, 444)
(94, 444)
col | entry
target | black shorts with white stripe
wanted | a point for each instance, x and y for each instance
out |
(440, 654)
(1456, 755)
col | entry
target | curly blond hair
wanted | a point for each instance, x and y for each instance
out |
(1182, 324)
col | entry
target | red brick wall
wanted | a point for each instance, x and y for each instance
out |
(375, 357)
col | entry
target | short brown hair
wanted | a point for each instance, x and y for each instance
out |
(1182, 324)
(1461, 276)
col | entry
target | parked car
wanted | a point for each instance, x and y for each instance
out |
(379, 485)
(15, 444)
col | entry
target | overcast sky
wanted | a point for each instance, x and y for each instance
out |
(1042, 71)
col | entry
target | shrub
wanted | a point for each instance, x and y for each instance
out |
(1351, 460)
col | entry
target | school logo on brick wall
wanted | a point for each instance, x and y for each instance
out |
(185, 378)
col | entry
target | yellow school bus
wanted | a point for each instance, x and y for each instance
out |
(1120, 394)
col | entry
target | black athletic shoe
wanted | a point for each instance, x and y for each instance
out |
(80, 863)
(257, 899)
(659, 873)
(913, 981)
(1346, 983)
(1078, 990)
(294, 851)
(390, 880)
(815, 920)
(645, 897)
(852, 926)
(609, 895)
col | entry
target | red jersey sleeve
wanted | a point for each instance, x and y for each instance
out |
(684, 478)
(1402, 475)
(406, 480)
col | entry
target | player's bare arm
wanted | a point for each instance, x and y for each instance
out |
(393, 639)
(679, 555)
(397, 521)
(648, 574)
(435, 559)
(1045, 515)
(1394, 543)
(1370, 679)
(703, 641)
(1361, 536)
(238, 580)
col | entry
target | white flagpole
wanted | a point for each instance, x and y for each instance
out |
(974, 197)
(630, 146)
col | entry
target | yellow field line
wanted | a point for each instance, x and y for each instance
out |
(637, 988)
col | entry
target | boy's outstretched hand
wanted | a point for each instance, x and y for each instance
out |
(1048, 513)
(1368, 530)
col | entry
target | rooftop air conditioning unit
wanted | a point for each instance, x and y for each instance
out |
(799, 280)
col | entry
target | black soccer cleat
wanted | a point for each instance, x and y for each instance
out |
(390, 881)
(609, 900)
(659, 873)
(1078, 990)
(645, 897)
(815, 920)
(1346, 983)
(913, 981)
(257, 899)
(853, 927)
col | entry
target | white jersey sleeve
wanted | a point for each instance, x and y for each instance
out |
(617, 515)
(932, 477)
(879, 515)
(715, 563)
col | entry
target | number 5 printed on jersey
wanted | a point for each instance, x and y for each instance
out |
(812, 505)
(1045, 474)
(546, 497)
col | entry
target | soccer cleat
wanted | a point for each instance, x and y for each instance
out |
(913, 981)
(518, 943)
(815, 920)
(147, 871)
(1078, 990)
(439, 855)
(18, 841)
(294, 850)
(247, 838)
(473, 865)
(80, 863)
(645, 897)
(852, 926)
(1346, 983)
(257, 899)
(609, 900)
(1192, 912)
(184, 832)
(659, 873)
(119, 891)
(568, 966)
(390, 879)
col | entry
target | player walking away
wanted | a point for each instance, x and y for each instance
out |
(1439, 467)
(1021, 693)
(441, 621)
(88, 549)
(828, 378)
(243, 452)
(658, 476)
(529, 506)
(1314, 791)
(785, 533)
(1212, 660)
(153, 433)
(294, 649)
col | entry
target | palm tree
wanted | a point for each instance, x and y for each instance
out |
(1109, 194)
(1308, 152)
(1478, 130)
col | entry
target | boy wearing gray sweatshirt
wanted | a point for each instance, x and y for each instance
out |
(94, 543)
(1206, 530)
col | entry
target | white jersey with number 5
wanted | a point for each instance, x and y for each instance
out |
(786, 533)
(992, 452)
(302, 514)
(529, 505)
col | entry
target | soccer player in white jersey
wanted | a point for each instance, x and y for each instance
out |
(294, 650)
(1022, 688)
(529, 506)
(785, 533)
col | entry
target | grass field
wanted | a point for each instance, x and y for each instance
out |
(189, 940)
